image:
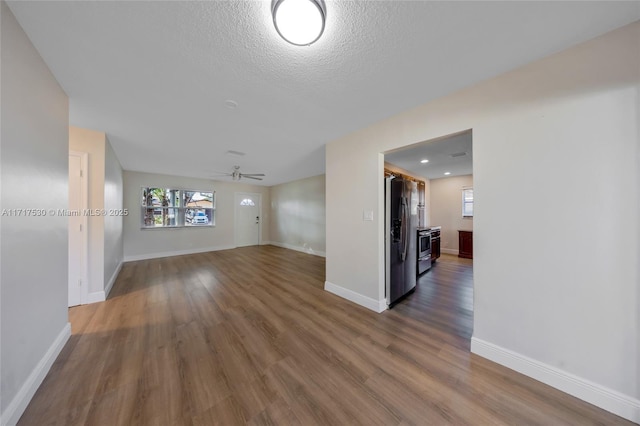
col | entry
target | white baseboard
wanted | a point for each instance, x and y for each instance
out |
(101, 296)
(449, 251)
(112, 280)
(96, 296)
(593, 393)
(307, 250)
(369, 303)
(174, 253)
(18, 404)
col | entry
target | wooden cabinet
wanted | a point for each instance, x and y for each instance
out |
(465, 244)
(421, 204)
(435, 248)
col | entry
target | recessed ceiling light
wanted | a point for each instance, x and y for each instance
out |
(424, 161)
(230, 104)
(447, 173)
(300, 22)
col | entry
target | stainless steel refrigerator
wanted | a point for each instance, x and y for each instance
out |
(401, 221)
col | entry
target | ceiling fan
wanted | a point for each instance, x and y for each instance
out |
(236, 175)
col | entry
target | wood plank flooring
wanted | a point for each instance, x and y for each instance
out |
(249, 336)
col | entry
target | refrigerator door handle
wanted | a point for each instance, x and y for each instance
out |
(405, 219)
(398, 228)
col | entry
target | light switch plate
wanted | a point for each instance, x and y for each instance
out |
(367, 215)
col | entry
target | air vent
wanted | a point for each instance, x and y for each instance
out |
(458, 154)
(235, 153)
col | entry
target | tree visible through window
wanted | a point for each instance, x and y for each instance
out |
(467, 202)
(172, 208)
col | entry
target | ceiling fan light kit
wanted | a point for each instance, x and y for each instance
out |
(299, 22)
(237, 175)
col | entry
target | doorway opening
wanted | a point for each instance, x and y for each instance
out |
(443, 170)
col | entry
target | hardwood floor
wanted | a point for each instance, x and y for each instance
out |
(444, 298)
(249, 336)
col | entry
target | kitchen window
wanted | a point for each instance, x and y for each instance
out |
(176, 208)
(467, 202)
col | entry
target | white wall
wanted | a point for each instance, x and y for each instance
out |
(148, 243)
(33, 249)
(298, 215)
(113, 221)
(446, 209)
(548, 295)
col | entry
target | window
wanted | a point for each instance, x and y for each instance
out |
(467, 202)
(174, 208)
(247, 202)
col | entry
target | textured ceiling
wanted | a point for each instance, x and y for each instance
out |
(155, 75)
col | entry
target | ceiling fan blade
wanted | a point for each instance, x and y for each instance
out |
(251, 177)
(252, 174)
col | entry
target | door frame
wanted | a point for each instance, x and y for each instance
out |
(84, 205)
(238, 196)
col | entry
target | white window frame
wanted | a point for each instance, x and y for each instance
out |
(149, 211)
(466, 211)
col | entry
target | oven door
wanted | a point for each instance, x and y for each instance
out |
(424, 252)
(424, 244)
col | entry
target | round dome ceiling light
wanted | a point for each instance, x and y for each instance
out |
(300, 22)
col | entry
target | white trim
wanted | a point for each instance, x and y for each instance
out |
(449, 251)
(608, 399)
(174, 253)
(357, 298)
(112, 280)
(19, 403)
(307, 250)
(95, 297)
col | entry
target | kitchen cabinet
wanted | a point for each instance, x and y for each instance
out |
(435, 249)
(435, 243)
(465, 244)
(421, 204)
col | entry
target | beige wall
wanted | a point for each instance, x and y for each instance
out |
(93, 143)
(34, 170)
(446, 209)
(298, 215)
(105, 185)
(148, 243)
(564, 131)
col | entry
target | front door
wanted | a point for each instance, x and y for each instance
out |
(248, 219)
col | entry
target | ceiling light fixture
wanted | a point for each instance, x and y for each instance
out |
(424, 161)
(300, 22)
(447, 173)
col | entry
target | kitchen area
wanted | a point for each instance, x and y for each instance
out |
(428, 214)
